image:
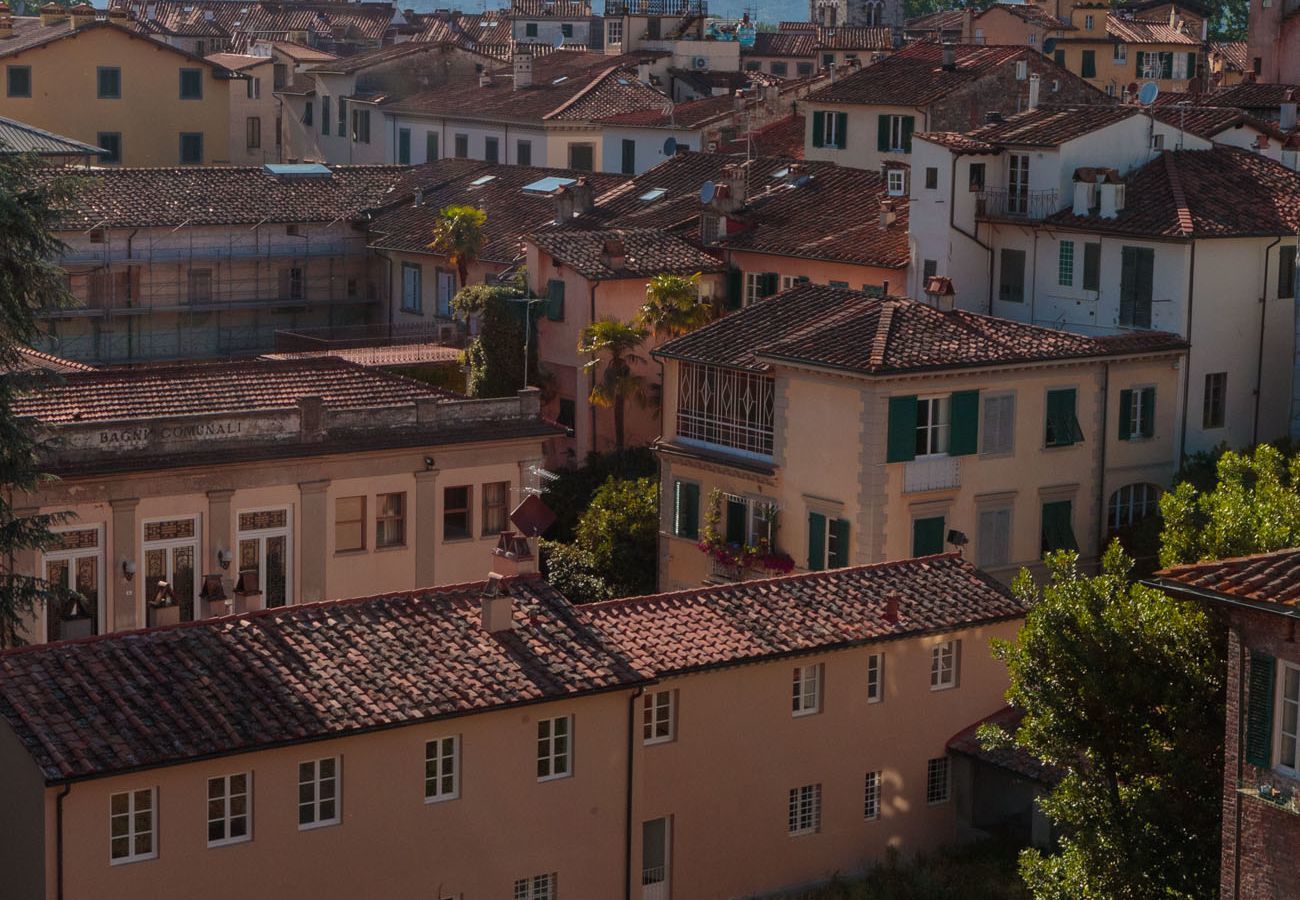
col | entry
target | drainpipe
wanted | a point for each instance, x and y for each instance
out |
(1187, 361)
(1105, 437)
(1259, 366)
(591, 407)
(1241, 770)
(58, 841)
(388, 258)
(952, 223)
(1033, 290)
(627, 806)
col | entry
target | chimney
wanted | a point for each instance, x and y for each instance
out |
(117, 15)
(82, 15)
(887, 215)
(584, 196)
(513, 555)
(497, 607)
(949, 56)
(52, 14)
(891, 609)
(735, 177)
(614, 254)
(1082, 198)
(563, 204)
(523, 70)
(1033, 91)
(1288, 115)
(6, 22)
(311, 416)
(939, 293)
(643, 71)
(485, 80)
(1110, 204)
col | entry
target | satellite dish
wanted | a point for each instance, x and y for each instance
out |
(558, 43)
(670, 148)
(1148, 93)
(1049, 45)
(708, 192)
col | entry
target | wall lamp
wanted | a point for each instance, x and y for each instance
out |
(224, 557)
(128, 569)
(428, 464)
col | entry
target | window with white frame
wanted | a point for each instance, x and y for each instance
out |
(898, 133)
(875, 677)
(998, 425)
(442, 769)
(229, 809)
(727, 407)
(263, 541)
(657, 717)
(412, 294)
(896, 182)
(171, 549)
(933, 423)
(614, 30)
(1131, 504)
(1065, 264)
(806, 690)
(318, 793)
(131, 826)
(993, 537)
(871, 797)
(1288, 737)
(1119, 53)
(538, 887)
(1087, 23)
(554, 748)
(943, 665)
(805, 809)
(73, 564)
(936, 781)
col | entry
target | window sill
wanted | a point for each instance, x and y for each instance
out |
(312, 826)
(942, 687)
(429, 801)
(392, 547)
(650, 742)
(561, 777)
(355, 551)
(133, 859)
(804, 713)
(466, 539)
(230, 842)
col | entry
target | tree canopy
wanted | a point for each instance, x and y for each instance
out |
(459, 235)
(612, 347)
(614, 552)
(673, 306)
(495, 356)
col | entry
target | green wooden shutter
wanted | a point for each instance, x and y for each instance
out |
(909, 123)
(1062, 426)
(841, 130)
(555, 300)
(927, 536)
(901, 445)
(1259, 710)
(1058, 57)
(882, 134)
(737, 512)
(1141, 60)
(1148, 423)
(841, 557)
(1092, 267)
(735, 288)
(686, 511)
(1144, 285)
(1286, 272)
(1127, 285)
(1125, 415)
(1058, 531)
(1089, 66)
(816, 541)
(964, 438)
(819, 129)
(1191, 65)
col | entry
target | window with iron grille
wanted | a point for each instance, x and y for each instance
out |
(805, 809)
(538, 887)
(871, 796)
(727, 407)
(936, 781)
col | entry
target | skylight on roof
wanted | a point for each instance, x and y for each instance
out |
(560, 79)
(547, 185)
(780, 173)
(482, 180)
(653, 194)
(297, 170)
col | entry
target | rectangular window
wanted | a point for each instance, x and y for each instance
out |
(831, 129)
(931, 178)
(871, 797)
(1135, 285)
(530, 29)
(936, 781)
(307, 114)
(1058, 527)
(566, 29)
(191, 149)
(462, 146)
(806, 690)
(108, 81)
(325, 115)
(441, 769)
(199, 286)
(1119, 53)
(253, 133)
(927, 536)
(894, 134)
(318, 793)
(455, 513)
(491, 150)
(977, 175)
(805, 809)
(1062, 426)
(343, 117)
(539, 887)
(131, 826)
(361, 126)
(1011, 284)
(933, 423)
(895, 182)
(828, 542)
(279, 76)
(553, 748)
(263, 539)
(804, 69)
(657, 717)
(1092, 267)
(875, 677)
(726, 407)
(998, 424)
(403, 146)
(496, 507)
(18, 81)
(614, 30)
(431, 146)
(582, 157)
(568, 414)
(390, 520)
(780, 69)
(1288, 693)
(943, 665)
(171, 549)
(412, 291)
(229, 810)
(993, 539)
(524, 153)
(629, 157)
(1089, 68)
(111, 143)
(1286, 272)
(253, 88)
(1214, 409)
(1065, 264)
(1137, 413)
(191, 84)
(686, 509)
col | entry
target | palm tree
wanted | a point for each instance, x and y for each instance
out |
(673, 305)
(617, 382)
(459, 235)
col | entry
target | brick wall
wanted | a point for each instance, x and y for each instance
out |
(1002, 92)
(1261, 843)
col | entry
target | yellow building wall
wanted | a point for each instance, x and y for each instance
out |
(150, 115)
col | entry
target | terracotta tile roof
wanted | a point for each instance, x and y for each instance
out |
(805, 38)
(226, 195)
(1137, 31)
(19, 137)
(358, 62)
(1051, 126)
(512, 213)
(851, 331)
(1258, 97)
(1033, 14)
(958, 143)
(29, 33)
(560, 9)
(834, 216)
(301, 52)
(855, 38)
(1263, 577)
(915, 75)
(141, 699)
(943, 20)
(345, 23)
(237, 62)
(221, 387)
(783, 43)
(1221, 192)
(380, 356)
(1233, 54)
(649, 252)
(30, 360)
(1014, 760)
(691, 114)
(704, 628)
(489, 32)
(1210, 121)
(782, 138)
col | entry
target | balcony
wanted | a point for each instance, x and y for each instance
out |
(438, 330)
(656, 8)
(1019, 206)
(654, 883)
(931, 473)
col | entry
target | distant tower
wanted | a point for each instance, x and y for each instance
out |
(878, 13)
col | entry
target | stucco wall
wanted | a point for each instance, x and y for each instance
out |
(23, 849)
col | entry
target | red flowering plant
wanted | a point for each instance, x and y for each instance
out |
(761, 555)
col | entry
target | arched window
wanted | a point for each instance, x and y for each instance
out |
(1132, 503)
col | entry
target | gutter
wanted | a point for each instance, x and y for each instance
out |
(1101, 475)
(591, 407)
(1259, 363)
(627, 805)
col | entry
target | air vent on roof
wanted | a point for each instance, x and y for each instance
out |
(482, 180)
(297, 170)
(548, 185)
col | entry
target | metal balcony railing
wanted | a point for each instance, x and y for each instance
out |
(1000, 203)
(656, 8)
(654, 883)
(342, 337)
(931, 473)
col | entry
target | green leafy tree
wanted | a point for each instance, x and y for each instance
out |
(495, 357)
(614, 552)
(1252, 506)
(570, 493)
(29, 200)
(612, 346)
(673, 306)
(458, 234)
(1122, 689)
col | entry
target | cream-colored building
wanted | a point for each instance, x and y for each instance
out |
(98, 80)
(824, 428)
(491, 740)
(254, 484)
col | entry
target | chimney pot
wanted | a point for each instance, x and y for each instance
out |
(891, 609)
(1034, 89)
(497, 607)
(513, 555)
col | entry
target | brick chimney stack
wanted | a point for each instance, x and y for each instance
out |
(52, 14)
(497, 612)
(615, 254)
(82, 15)
(513, 555)
(891, 609)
